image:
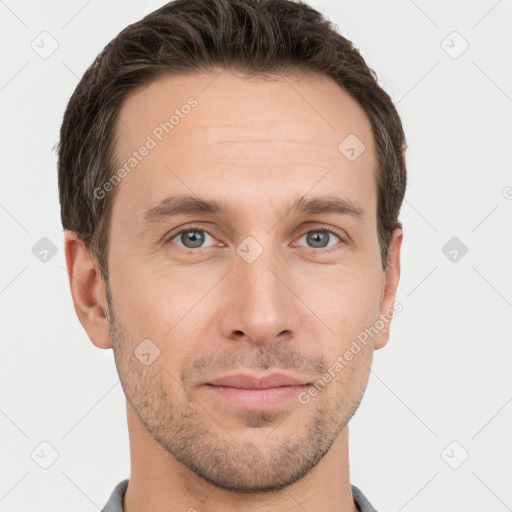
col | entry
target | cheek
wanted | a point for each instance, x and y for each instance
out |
(149, 303)
(345, 300)
(348, 307)
(353, 376)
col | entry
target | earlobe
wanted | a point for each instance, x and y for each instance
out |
(391, 280)
(87, 290)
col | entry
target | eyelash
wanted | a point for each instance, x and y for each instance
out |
(197, 227)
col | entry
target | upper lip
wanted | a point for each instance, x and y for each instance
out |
(247, 381)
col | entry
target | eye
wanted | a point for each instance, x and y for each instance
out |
(193, 237)
(321, 238)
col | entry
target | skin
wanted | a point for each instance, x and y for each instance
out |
(257, 145)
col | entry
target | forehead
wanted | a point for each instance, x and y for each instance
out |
(247, 138)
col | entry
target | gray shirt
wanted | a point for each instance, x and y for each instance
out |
(115, 503)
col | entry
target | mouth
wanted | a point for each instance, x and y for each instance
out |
(251, 392)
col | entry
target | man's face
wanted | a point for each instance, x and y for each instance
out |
(255, 288)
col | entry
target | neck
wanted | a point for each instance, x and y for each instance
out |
(159, 482)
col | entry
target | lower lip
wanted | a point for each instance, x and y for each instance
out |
(257, 398)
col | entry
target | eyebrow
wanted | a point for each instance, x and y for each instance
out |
(191, 205)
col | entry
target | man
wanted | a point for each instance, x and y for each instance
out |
(230, 178)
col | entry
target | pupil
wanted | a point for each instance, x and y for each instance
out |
(318, 238)
(192, 239)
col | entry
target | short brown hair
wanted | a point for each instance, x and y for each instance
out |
(257, 37)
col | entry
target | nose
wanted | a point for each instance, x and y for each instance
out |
(261, 306)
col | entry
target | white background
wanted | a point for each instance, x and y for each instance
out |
(445, 374)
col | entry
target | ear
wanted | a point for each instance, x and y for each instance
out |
(88, 290)
(391, 278)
